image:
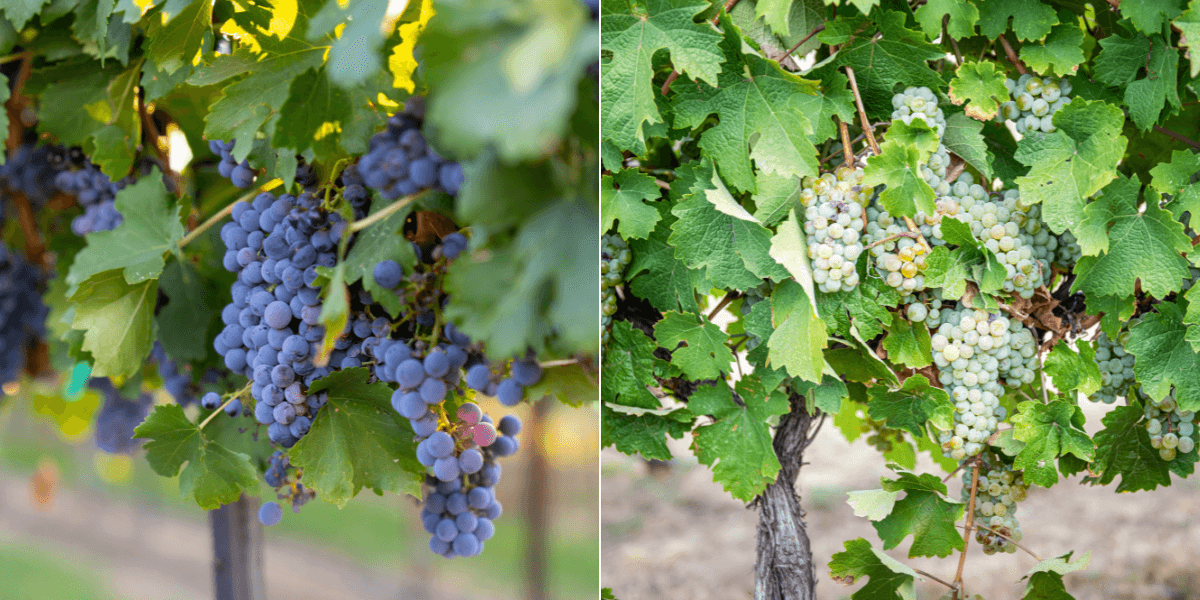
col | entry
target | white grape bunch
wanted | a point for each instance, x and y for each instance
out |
(833, 213)
(1116, 368)
(614, 257)
(901, 261)
(998, 490)
(919, 103)
(1172, 430)
(1007, 227)
(968, 346)
(1068, 252)
(1034, 102)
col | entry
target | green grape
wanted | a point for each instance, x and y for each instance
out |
(614, 257)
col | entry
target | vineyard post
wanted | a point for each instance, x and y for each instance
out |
(783, 569)
(538, 488)
(237, 551)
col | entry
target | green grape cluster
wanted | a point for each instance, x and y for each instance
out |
(1068, 252)
(999, 489)
(1172, 430)
(1034, 102)
(614, 257)
(833, 211)
(1007, 227)
(919, 103)
(901, 261)
(1116, 368)
(968, 346)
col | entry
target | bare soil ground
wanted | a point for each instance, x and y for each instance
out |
(676, 534)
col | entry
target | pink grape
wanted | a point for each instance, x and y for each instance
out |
(470, 413)
(483, 434)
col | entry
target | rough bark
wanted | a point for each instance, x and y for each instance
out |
(237, 551)
(784, 567)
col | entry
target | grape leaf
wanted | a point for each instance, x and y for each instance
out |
(19, 12)
(1189, 25)
(872, 504)
(213, 475)
(1073, 162)
(186, 314)
(629, 367)
(703, 354)
(572, 384)
(1045, 579)
(1117, 311)
(887, 577)
(60, 113)
(908, 345)
(898, 57)
(912, 405)
(737, 446)
(962, 13)
(381, 241)
(865, 306)
(1049, 431)
(1062, 51)
(1165, 358)
(950, 269)
(657, 276)
(642, 434)
(799, 336)
(835, 99)
(355, 54)
(117, 319)
(173, 44)
(1175, 178)
(357, 440)
(925, 513)
(962, 136)
(789, 248)
(1123, 449)
(980, 85)
(1150, 15)
(622, 199)
(313, 108)
(1074, 371)
(1142, 246)
(826, 396)
(917, 133)
(733, 252)
(776, 196)
(1032, 19)
(335, 309)
(898, 166)
(633, 32)
(1118, 64)
(752, 96)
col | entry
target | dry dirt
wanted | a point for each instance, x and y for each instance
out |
(676, 534)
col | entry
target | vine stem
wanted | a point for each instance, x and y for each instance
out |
(819, 29)
(17, 56)
(956, 470)
(1015, 542)
(562, 362)
(1012, 56)
(1182, 138)
(729, 297)
(385, 213)
(862, 111)
(213, 220)
(941, 581)
(891, 238)
(231, 398)
(962, 558)
(846, 151)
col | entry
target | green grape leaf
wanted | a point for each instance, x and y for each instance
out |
(151, 228)
(789, 247)
(733, 252)
(622, 198)
(925, 513)
(634, 32)
(908, 344)
(117, 319)
(1118, 64)
(799, 335)
(213, 475)
(835, 99)
(186, 314)
(1031, 19)
(775, 13)
(335, 310)
(1142, 246)
(1062, 51)
(1074, 371)
(1049, 431)
(899, 57)
(1165, 358)
(357, 440)
(355, 54)
(826, 396)
(697, 346)
(737, 446)
(313, 107)
(752, 96)
(643, 434)
(912, 405)
(173, 45)
(657, 276)
(865, 306)
(20, 12)
(916, 134)
(872, 504)
(963, 137)
(629, 367)
(1149, 16)
(888, 578)
(950, 269)
(1174, 177)
(776, 196)
(381, 241)
(1123, 449)
(962, 13)
(979, 85)
(1046, 586)
(898, 166)
(1189, 25)
(1072, 163)
(1117, 311)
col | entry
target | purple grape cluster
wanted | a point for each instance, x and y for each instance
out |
(118, 417)
(487, 378)
(31, 170)
(459, 511)
(401, 163)
(22, 312)
(424, 377)
(241, 174)
(272, 327)
(96, 193)
(354, 191)
(280, 475)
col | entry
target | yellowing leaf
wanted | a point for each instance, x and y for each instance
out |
(401, 62)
